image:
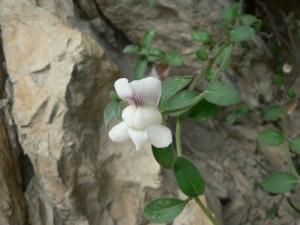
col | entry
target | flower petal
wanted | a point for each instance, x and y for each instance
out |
(147, 91)
(146, 116)
(160, 136)
(128, 115)
(124, 90)
(139, 137)
(119, 133)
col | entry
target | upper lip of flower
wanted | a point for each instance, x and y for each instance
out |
(142, 120)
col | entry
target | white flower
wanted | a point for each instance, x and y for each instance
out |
(142, 120)
(287, 68)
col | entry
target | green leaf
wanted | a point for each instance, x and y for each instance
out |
(182, 99)
(279, 182)
(224, 54)
(132, 49)
(278, 80)
(224, 23)
(272, 112)
(118, 111)
(241, 33)
(147, 40)
(248, 19)
(208, 74)
(271, 137)
(201, 35)
(140, 68)
(291, 93)
(164, 156)
(221, 94)
(229, 13)
(156, 54)
(172, 86)
(162, 210)
(188, 177)
(242, 110)
(272, 213)
(202, 111)
(173, 58)
(152, 3)
(115, 97)
(295, 144)
(231, 118)
(109, 112)
(201, 54)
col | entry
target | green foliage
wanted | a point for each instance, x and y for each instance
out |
(223, 23)
(173, 58)
(156, 54)
(182, 99)
(209, 73)
(202, 111)
(109, 112)
(147, 40)
(225, 56)
(221, 94)
(245, 45)
(201, 54)
(113, 95)
(295, 144)
(272, 212)
(152, 3)
(272, 112)
(231, 118)
(140, 68)
(229, 12)
(271, 137)
(241, 33)
(162, 210)
(118, 111)
(291, 93)
(279, 182)
(248, 19)
(132, 49)
(164, 156)
(278, 80)
(188, 177)
(201, 35)
(172, 86)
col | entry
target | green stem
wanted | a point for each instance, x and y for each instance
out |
(286, 144)
(208, 64)
(178, 136)
(206, 212)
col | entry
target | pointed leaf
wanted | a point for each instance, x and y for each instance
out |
(279, 182)
(132, 49)
(221, 94)
(115, 97)
(118, 111)
(109, 112)
(164, 156)
(295, 144)
(291, 93)
(201, 54)
(229, 13)
(147, 40)
(272, 112)
(271, 137)
(140, 68)
(163, 210)
(173, 58)
(172, 86)
(208, 74)
(188, 177)
(202, 111)
(278, 80)
(241, 33)
(156, 54)
(201, 35)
